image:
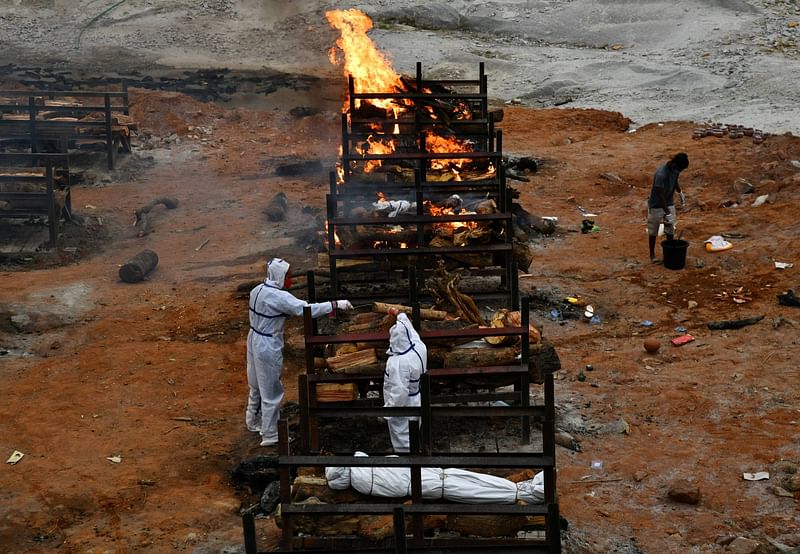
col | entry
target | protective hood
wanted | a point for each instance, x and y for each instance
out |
(402, 336)
(277, 269)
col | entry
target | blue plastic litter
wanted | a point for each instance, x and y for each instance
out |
(646, 323)
(596, 319)
(680, 329)
(555, 314)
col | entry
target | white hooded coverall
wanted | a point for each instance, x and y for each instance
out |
(270, 305)
(408, 360)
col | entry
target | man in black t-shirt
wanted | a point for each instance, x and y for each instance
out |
(660, 205)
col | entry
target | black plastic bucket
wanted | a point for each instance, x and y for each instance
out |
(674, 253)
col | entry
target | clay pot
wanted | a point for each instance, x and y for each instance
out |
(652, 345)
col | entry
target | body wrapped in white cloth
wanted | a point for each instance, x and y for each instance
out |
(456, 485)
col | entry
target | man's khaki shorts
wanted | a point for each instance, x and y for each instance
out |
(655, 217)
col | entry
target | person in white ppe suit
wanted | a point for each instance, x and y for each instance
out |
(408, 360)
(270, 304)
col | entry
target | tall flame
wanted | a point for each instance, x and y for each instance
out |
(371, 71)
(443, 145)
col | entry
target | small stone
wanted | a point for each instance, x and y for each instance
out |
(691, 304)
(742, 545)
(640, 476)
(685, 492)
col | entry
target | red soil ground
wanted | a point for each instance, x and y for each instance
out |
(133, 358)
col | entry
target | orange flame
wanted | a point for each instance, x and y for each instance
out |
(374, 145)
(336, 240)
(441, 145)
(371, 71)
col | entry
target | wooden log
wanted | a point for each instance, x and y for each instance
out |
(372, 527)
(359, 358)
(368, 321)
(424, 313)
(366, 236)
(304, 488)
(507, 318)
(522, 254)
(487, 525)
(337, 392)
(382, 324)
(277, 207)
(371, 370)
(137, 268)
(498, 115)
(478, 357)
(478, 234)
(142, 213)
(788, 298)
(323, 260)
(542, 359)
(308, 167)
(443, 286)
(734, 323)
(475, 259)
(342, 349)
(531, 223)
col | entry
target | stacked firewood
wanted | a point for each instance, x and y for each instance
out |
(452, 310)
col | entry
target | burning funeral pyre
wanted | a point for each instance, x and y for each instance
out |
(419, 205)
(421, 173)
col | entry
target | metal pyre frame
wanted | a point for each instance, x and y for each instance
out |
(435, 407)
(348, 188)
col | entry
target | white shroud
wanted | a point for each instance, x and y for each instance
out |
(456, 485)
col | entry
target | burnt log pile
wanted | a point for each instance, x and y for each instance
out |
(142, 218)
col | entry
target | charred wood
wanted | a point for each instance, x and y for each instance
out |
(142, 214)
(788, 298)
(137, 268)
(734, 323)
(299, 168)
(531, 223)
(277, 207)
(542, 359)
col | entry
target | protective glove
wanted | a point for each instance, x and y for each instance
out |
(683, 199)
(669, 219)
(343, 305)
